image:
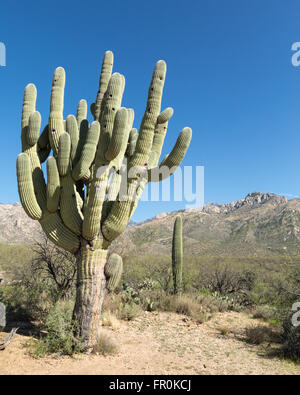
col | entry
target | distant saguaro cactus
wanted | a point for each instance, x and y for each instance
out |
(82, 207)
(177, 256)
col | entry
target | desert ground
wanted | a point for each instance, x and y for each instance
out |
(160, 343)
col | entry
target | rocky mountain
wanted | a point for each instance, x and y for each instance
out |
(15, 226)
(258, 225)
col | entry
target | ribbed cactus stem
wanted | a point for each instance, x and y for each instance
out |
(177, 256)
(113, 271)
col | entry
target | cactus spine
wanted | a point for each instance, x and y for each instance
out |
(81, 208)
(177, 256)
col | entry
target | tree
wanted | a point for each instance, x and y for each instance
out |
(90, 194)
(55, 263)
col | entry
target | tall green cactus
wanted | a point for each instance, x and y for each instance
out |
(82, 207)
(177, 256)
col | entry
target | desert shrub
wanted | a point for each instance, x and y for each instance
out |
(56, 265)
(223, 330)
(60, 332)
(224, 280)
(264, 312)
(112, 303)
(129, 311)
(32, 288)
(212, 302)
(106, 345)
(261, 334)
(156, 268)
(110, 319)
(186, 305)
(27, 303)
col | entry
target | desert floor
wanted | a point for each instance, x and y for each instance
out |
(159, 343)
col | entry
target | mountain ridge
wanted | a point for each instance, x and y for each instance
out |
(258, 224)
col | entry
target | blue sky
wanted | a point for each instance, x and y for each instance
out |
(230, 78)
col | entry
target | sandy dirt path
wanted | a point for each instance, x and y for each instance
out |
(159, 343)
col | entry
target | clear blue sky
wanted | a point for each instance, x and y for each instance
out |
(230, 78)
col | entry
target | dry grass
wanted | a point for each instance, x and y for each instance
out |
(261, 334)
(109, 319)
(129, 312)
(186, 305)
(112, 303)
(264, 312)
(223, 330)
(106, 345)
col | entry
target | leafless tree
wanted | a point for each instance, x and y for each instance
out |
(54, 263)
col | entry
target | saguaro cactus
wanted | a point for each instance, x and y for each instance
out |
(113, 271)
(177, 256)
(84, 206)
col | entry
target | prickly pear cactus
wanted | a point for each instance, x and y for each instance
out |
(84, 205)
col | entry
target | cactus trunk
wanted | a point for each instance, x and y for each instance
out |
(177, 256)
(91, 283)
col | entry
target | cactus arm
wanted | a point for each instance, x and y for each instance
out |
(30, 126)
(110, 106)
(29, 102)
(81, 113)
(88, 152)
(98, 186)
(83, 132)
(118, 134)
(63, 157)
(113, 271)
(53, 185)
(26, 188)
(145, 137)
(117, 164)
(69, 201)
(72, 129)
(120, 213)
(34, 125)
(56, 123)
(106, 70)
(51, 223)
(170, 163)
(58, 233)
(133, 135)
(159, 136)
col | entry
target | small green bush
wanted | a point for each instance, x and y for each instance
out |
(60, 332)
